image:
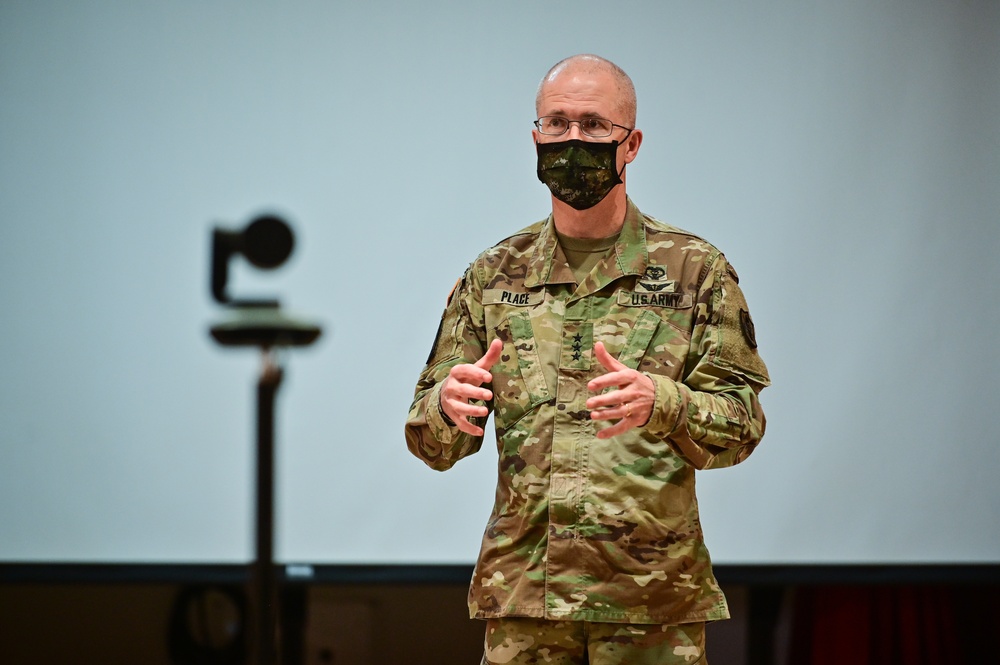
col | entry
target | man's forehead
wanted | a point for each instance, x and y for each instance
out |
(583, 88)
(580, 77)
(577, 103)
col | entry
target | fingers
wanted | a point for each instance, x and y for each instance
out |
(638, 390)
(456, 389)
(478, 373)
(606, 359)
(463, 386)
(618, 374)
(628, 413)
(492, 355)
(631, 401)
(462, 411)
(470, 375)
(620, 427)
(455, 402)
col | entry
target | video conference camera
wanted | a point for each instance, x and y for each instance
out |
(266, 242)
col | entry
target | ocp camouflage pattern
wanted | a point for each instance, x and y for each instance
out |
(585, 529)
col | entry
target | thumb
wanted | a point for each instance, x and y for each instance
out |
(607, 361)
(492, 355)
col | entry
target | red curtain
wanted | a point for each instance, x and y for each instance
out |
(894, 625)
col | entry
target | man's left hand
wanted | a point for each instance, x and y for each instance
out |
(631, 401)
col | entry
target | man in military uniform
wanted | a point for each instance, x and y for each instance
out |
(617, 356)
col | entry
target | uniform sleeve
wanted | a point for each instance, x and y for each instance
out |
(713, 418)
(460, 339)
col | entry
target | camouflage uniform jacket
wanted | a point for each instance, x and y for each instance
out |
(588, 529)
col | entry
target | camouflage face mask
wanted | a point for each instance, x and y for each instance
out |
(578, 173)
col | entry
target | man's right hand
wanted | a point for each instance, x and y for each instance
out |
(464, 384)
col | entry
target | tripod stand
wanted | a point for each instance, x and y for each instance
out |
(263, 325)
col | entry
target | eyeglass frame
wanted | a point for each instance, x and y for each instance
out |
(537, 123)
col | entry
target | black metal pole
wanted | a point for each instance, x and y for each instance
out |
(263, 571)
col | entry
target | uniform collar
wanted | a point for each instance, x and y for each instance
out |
(630, 255)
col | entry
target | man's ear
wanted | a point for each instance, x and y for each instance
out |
(632, 145)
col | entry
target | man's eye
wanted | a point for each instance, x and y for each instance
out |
(556, 123)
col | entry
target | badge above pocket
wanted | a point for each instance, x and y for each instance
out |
(514, 298)
(662, 299)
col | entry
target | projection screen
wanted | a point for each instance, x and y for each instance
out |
(845, 156)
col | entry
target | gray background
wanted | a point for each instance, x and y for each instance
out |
(844, 155)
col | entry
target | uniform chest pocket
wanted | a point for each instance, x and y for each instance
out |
(518, 381)
(651, 343)
(637, 342)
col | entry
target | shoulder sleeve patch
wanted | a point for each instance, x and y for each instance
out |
(448, 319)
(437, 338)
(746, 325)
(737, 337)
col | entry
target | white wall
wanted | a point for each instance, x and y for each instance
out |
(844, 155)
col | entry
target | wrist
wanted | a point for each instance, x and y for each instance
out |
(444, 416)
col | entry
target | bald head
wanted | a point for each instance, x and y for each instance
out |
(588, 64)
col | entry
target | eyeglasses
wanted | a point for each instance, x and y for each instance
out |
(595, 128)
